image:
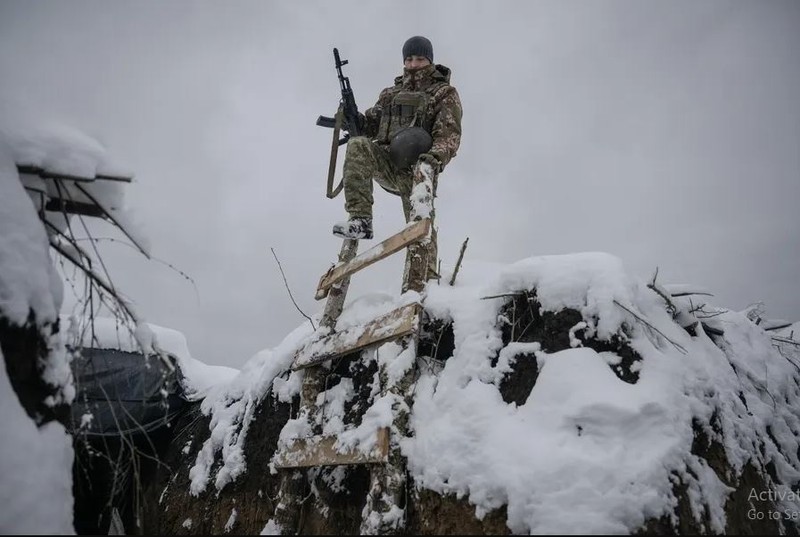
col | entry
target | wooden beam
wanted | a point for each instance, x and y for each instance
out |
(47, 174)
(395, 243)
(320, 451)
(393, 325)
(74, 207)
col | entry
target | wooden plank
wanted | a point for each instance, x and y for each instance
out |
(74, 207)
(47, 174)
(395, 243)
(320, 451)
(395, 324)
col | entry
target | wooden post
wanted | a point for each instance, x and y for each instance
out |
(387, 487)
(293, 483)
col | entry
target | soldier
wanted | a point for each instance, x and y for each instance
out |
(418, 120)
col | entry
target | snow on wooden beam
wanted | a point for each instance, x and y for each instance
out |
(321, 451)
(395, 243)
(393, 325)
(48, 174)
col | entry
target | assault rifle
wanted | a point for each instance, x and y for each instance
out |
(346, 117)
(347, 105)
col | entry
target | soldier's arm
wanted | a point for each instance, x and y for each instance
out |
(446, 132)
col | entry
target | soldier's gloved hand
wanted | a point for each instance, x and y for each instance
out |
(360, 123)
(432, 161)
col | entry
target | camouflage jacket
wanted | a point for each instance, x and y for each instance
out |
(422, 98)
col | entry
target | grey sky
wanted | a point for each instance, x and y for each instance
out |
(666, 133)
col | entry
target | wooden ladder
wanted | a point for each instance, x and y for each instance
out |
(387, 467)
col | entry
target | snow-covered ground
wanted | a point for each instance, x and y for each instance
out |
(586, 452)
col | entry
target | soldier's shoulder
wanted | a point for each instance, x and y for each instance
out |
(445, 92)
(442, 73)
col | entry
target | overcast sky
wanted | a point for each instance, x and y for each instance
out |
(665, 133)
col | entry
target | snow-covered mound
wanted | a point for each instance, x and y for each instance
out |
(35, 454)
(588, 452)
(554, 395)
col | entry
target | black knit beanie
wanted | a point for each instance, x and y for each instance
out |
(418, 46)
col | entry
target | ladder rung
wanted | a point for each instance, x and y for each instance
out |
(395, 243)
(320, 451)
(393, 325)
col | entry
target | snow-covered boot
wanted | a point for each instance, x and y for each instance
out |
(357, 227)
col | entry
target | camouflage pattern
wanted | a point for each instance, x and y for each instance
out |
(423, 98)
(366, 161)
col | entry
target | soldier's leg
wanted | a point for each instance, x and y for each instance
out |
(363, 162)
(431, 248)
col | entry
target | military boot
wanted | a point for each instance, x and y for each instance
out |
(357, 227)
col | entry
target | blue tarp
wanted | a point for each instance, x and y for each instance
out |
(124, 392)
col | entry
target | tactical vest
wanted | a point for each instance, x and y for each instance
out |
(409, 109)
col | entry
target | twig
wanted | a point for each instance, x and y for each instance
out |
(677, 346)
(98, 279)
(458, 263)
(778, 326)
(689, 293)
(519, 293)
(780, 351)
(785, 340)
(170, 265)
(670, 306)
(289, 290)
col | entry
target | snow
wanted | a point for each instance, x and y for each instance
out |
(231, 521)
(421, 195)
(27, 278)
(61, 149)
(36, 465)
(272, 528)
(35, 462)
(232, 406)
(587, 452)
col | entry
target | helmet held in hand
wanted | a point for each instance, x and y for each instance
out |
(407, 145)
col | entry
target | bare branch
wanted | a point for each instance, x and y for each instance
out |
(780, 351)
(689, 293)
(289, 290)
(503, 295)
(778, 326)
(96, 278)
(671, 308)
(132, 247)
(785, 340)
(458, 263)
(642, 320)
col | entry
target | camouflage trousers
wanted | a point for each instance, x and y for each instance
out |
(366, 161)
